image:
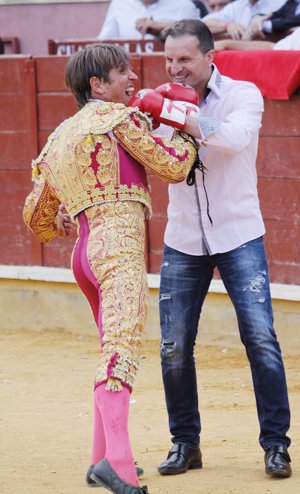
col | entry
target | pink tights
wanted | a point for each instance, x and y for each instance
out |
(111, 438)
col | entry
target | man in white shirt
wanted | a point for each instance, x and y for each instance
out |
(217, 223)
(217, 5)
(290, 42)
(137, 19)
(235, 18)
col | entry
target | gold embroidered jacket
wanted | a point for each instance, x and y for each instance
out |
(94, 157)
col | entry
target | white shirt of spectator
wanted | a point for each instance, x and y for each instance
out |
(290, 42)
(229, 123)
(242, 11)
(123, 14)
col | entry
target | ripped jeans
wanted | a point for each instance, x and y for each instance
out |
(185, 280)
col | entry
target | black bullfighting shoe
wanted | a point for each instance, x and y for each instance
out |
(180, 459)
(277, 462)
(104, 475)
(91, 483)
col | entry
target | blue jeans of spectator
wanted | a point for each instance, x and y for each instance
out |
(185, 280)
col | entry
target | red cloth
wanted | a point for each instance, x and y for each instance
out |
(275, 73)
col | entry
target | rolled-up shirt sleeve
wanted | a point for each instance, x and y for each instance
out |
(233, 132)
(208, 126)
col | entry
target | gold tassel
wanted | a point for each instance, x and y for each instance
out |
(35, 172)
(113, 384)
(89, 140)
(89, 144)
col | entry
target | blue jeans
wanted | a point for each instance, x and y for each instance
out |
(185, 280)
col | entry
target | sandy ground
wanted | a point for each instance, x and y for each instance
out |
(46, 418)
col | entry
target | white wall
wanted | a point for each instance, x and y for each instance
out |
(34, 24)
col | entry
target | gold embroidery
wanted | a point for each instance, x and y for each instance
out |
(81, 163)
(170, 161)
(109, 166)
(40, 212)
(101, 118)
(116, 256)
(81, 177)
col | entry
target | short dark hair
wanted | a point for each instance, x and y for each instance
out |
(194, 27)
(93, 60)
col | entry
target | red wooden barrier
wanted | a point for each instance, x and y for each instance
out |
(18, 140)
(134, 46)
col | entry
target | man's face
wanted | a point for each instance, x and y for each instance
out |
(185, 63)
(148, 2)
(120, 86)
(216, 5)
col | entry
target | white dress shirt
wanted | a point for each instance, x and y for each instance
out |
(290, 42)
(123, 14)
(223, 213)
(242, 11)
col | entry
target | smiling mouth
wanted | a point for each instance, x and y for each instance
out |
(179, 78)
(129, 91)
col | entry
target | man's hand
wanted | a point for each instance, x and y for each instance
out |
(143, 25)
(64, 224)
(254, 30)
(147, 25)
(235, 30)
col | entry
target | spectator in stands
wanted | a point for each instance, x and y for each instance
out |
(136, 19)
(287, 17)
(201, 8)
(216, 5)
(235, 18)
(210, 6)
(291, 42)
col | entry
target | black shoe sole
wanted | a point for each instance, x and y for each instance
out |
(90, 482)
(99, 482)
(193, 466)
(279, 474)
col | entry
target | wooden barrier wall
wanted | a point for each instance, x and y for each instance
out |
(134, 46)
(33, 102)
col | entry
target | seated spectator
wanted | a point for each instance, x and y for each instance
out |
(136, 19)
(287, 17)
(216, 5)
(201, 8)
(290, 42)
(235, 18)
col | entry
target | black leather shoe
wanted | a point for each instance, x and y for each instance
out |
(91, 483)
(180, 459)
(277, 461)
(104, 475)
